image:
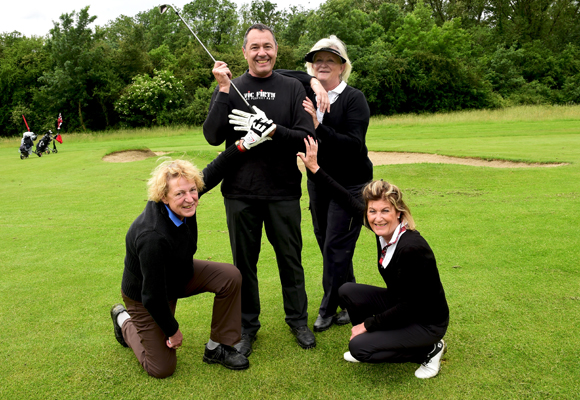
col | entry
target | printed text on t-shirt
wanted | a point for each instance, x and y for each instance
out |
(261, 95)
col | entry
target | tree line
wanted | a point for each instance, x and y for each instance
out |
(408, 56)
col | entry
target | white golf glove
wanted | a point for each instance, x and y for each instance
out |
(259, 112)
(253, 139)
(242, 120)
(257, 122)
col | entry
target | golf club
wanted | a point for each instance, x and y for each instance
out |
(163, 8)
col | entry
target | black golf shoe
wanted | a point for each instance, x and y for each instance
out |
(244, 347)
(304, 337)
(227, 356)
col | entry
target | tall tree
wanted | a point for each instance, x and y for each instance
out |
(22, 62)
(215, 22)
(263, 12)
(295, 26)
(130, 43)
(69, 84)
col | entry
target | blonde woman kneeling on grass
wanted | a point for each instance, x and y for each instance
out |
(160, 269)
(406, 321)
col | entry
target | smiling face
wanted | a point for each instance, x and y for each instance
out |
(260, 52)
(182, 197)
(383, 218)
(327, 69)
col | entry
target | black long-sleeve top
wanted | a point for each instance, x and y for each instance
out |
(343, 153)
(269, 171)
(159, 255)
(414, 290)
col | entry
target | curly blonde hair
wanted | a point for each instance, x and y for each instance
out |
(382, 190)
(158, 184)
(333, 42)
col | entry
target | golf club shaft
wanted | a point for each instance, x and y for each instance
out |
(207, 51)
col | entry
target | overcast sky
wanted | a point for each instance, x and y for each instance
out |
(34, 17)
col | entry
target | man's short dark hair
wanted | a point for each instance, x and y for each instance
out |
(260, 27)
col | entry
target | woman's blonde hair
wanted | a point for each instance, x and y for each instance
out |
(381, 190)
(158, 184)
(335, 43)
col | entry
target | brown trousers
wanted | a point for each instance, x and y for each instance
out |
(146, 338)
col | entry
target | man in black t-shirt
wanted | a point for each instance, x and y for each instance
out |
(264, 188)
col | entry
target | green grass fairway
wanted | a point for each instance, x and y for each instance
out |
(506, 242)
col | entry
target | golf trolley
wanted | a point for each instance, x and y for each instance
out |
(26, 144)
(43, 145)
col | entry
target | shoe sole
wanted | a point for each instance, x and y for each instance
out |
(306, 346)
(212, 361)
(340, 323)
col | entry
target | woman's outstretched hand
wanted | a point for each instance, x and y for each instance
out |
(310, 159)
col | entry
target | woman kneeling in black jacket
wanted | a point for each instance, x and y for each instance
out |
(406, 321)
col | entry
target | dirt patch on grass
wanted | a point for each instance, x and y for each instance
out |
(389, 158)
(384, 158)
(132, 155)
(378, 158)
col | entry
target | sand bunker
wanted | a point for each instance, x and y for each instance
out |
(132, 155)
(378, 158)
(385, 158)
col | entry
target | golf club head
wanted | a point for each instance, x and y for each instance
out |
(163, 8)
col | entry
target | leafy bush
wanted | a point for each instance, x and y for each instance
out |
(531, 93)
(422, 67)
(195, 112)
(148, 101)
(571, 90)
(504, 70)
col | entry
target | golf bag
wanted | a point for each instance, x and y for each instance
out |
(26, 144)
(43, 145)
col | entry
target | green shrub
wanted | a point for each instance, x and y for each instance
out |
(148, 101)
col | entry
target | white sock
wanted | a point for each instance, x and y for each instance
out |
(212, 345)
(121, 318)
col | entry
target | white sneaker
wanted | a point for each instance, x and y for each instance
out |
(348, 357)
(432, 364)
